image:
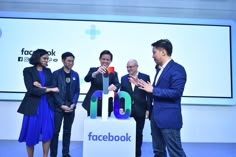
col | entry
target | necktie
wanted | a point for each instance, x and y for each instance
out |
(158, 73)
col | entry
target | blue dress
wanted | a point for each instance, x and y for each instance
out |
(38, 127)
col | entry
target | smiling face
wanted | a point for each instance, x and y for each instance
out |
(44, 60)
(105, 60)
(132, 67)
(68, 62)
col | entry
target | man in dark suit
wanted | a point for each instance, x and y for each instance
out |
(94, 76)
(167, 90)
(141, 100)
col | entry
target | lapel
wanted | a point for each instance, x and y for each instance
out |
(36, 74)
(62, 77)
(128, 84)
(165, 70)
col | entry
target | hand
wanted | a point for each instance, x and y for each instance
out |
(101, 70)
(147, 114)
(66, 108)
(146, 86)
(134, 80)
(112, 87)
(122, 111)
(37, 84)
(55, 89)
(72, 107)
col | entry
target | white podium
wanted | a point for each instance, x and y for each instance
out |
(109, 138)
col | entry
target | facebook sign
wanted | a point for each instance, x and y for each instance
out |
(110, 136)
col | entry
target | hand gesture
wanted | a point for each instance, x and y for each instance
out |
(134, 80)
(66, 108)
(55, 89)
(112, 87)
(37, 84)
(102, 69)
(146, 86)
(72, 107)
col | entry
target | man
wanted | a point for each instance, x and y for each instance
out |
(141, 100)
(68, 83)
(167, 90)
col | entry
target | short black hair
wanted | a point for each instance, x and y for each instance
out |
(106, 52)
(35, 58)
(165, 44)
(67, 54)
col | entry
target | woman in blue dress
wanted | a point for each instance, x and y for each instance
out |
(37, 104)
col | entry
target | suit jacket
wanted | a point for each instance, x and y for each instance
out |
(167, 93)
(59, 80)
(97, 84)
(141, 100)
(32, 97)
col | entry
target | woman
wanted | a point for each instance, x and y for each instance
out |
(95, 77)
(37, 105)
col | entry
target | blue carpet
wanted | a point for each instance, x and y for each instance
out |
(10, 148)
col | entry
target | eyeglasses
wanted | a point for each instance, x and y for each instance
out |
(130, 67)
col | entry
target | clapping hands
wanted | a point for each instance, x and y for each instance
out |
(146, 86)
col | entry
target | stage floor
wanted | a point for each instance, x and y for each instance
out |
(10, 148)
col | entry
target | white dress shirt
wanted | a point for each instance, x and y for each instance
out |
(160, 71)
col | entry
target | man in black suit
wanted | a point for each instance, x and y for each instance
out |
(141, 100)
(94, 76)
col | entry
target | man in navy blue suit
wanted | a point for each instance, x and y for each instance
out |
(67, 80)
(141, 100)
(167, 90)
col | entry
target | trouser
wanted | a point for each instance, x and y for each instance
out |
(166, 138)
(140, 121)
(67, 119)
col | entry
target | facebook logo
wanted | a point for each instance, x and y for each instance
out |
(109, 137)
(20, 59)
